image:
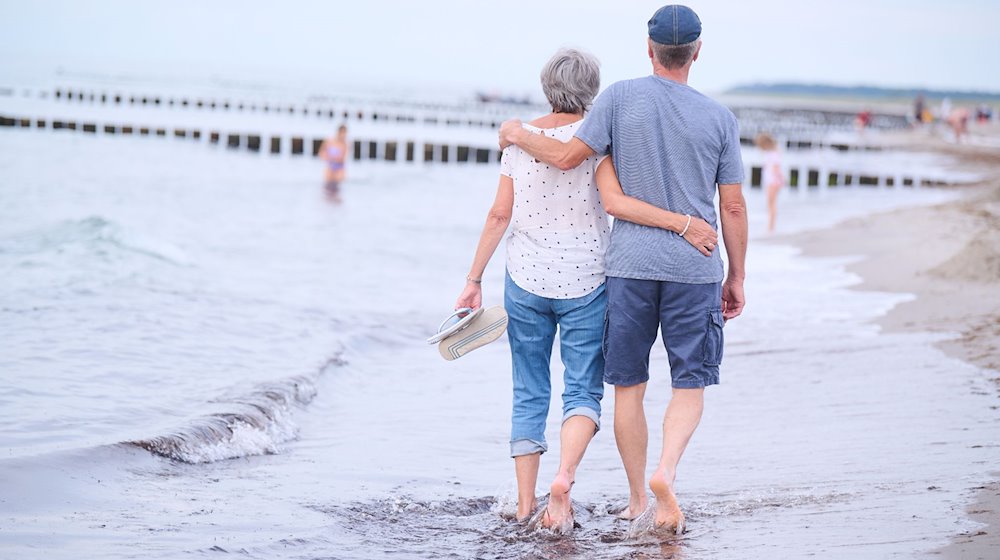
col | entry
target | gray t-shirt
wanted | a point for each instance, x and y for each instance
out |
(671, 146)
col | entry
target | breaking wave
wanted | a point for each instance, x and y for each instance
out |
(95, 236)
(253, 424)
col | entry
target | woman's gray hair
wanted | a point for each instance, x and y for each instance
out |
(673, 57)
(570, 80)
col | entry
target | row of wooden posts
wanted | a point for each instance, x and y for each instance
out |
(343, 114)
(806, 140)
(806, 176)
(824, 121)
(385, 150)
(802, 176)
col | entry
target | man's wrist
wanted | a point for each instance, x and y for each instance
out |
(516, 136)
(738, 276)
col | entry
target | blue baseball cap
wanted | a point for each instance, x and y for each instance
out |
(674, 25)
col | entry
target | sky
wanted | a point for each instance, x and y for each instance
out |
(500, 46)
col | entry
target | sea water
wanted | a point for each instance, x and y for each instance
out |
(203, 354)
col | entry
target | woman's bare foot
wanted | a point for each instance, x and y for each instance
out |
(668, 514)
(524, 511)
(559, 512)
(636, 505)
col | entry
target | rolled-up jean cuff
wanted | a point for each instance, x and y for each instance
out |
(584, 411)
(521, 447)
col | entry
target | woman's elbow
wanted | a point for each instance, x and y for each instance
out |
(498, 220)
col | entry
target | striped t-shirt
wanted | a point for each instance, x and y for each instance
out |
(671, 146)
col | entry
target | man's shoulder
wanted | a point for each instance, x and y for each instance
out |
(631, 85)
(703, 102)
(719, 109)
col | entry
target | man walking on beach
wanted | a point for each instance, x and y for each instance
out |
(671, 147)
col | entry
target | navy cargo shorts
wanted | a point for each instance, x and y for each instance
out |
(690, 317)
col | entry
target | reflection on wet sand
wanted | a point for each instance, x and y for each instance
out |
(480, 527)
(331, 192)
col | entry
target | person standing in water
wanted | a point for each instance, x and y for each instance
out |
(772, 177)
(333, 151)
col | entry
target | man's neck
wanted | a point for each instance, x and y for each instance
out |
(679, 75)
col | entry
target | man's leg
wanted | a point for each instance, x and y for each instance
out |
(632, 437)
(581, 334)
(691, 321)
(679, 423)
(630, 330)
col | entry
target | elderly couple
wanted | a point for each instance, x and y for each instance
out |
(608, 292)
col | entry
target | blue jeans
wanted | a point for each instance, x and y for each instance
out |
(531, 328)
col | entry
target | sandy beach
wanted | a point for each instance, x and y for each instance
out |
(948, 256)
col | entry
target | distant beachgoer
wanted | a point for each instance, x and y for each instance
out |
(772, 176)
(919, 105)
(983, 114)
(555, 281)
(958, 120)
(333, 151)
(945, 109)
(863, 120)
(674, 148)
(927, 116)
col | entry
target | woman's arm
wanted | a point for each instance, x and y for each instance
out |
(496, 224)
(322, 151)
(699, 233)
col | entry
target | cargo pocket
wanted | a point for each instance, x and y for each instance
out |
(713, 338)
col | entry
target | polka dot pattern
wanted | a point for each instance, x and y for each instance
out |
(559, 229)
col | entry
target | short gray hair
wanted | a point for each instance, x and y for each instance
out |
(673, 57)
(570, 80)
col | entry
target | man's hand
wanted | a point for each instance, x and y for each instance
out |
(508, 132)
(702, 236)
(472, 296)
(733, 299)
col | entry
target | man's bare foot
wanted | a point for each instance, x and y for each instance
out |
(559, 512)
(524, 511)
(668, 513)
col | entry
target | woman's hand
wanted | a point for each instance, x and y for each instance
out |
(701, 236)
(472, 296)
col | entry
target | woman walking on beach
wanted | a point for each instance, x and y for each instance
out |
(555, 280)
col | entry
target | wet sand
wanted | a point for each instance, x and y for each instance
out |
(948, 256)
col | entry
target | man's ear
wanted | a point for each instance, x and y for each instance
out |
(697, 51)
(649, 48)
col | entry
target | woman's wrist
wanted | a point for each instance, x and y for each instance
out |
(687, 225)
(470, 280)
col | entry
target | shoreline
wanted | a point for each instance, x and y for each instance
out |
(948, 256)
